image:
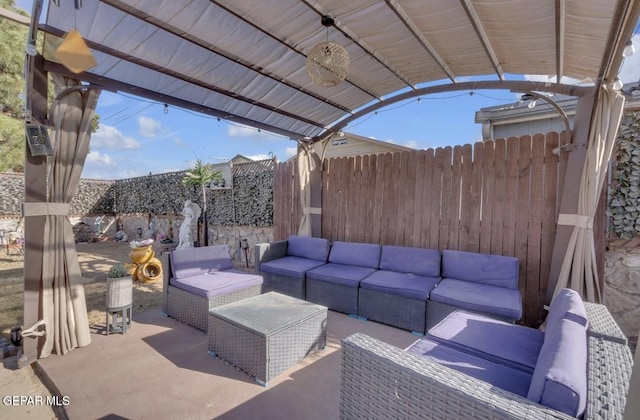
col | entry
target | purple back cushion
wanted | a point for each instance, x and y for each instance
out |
(352, 253)
(494, 270)
(567, 305)
(419, 261)
(308, 247)
(195, 261)
(560, 377)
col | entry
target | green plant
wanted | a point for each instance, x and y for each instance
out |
(117, 271)
(200, 176)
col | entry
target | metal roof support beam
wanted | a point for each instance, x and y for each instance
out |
(406, 20)
(518, 85)
(482, 36)
(560, 28)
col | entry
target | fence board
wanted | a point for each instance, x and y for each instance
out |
(523, 206)
(466, 199)
(387, 187)
(476, 198)
(489, 197)
(500, 196)
(420, 209)
(511, 189)
(410, 161)
(446, 209)
(434, 166)
(456, 181)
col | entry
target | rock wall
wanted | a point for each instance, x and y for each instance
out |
(621, 292)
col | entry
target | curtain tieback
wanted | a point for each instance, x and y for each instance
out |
(312, 210)
(45, 209)
(31, 331)
(584, 222)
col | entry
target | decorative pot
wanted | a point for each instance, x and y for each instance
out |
(141, 254)
(150, 271)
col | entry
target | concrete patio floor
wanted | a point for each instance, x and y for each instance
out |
(160, 369)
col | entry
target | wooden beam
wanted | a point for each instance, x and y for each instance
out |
(571, 187)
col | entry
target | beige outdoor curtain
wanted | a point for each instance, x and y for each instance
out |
(579, 271)
(63, 303)
(305, 166)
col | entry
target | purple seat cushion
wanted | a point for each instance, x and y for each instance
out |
(494, 270)
(478, 297)
(195, 261)
(217, 283)
(308, 247)
(510, 344)
(355, 254)
(501, 376)
(560, 377)
(567, 305)
(419, 261)
(345, 275)
(289, 266)
(406, 285)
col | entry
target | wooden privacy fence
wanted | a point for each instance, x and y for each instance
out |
(497, 197)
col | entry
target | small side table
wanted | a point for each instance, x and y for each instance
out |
(121, 324)
(119, 300)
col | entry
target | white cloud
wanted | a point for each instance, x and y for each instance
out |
(148, 127)
(108, 137)
(242, 131)
(259, 157)
(99, 159)
(290, 151)
(412, 144)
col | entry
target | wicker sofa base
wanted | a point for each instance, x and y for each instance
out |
(286, 285)
(381, 381)
(398, 311)
(437, 311)
(334, 296)
(193, 310)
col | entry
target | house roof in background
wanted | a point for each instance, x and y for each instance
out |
(244, 61)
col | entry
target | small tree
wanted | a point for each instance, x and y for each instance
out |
(200, 176)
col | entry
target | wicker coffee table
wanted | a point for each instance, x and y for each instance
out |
(266, 334)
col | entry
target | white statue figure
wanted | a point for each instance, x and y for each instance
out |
(191, 213)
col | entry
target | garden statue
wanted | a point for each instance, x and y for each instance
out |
(191, 213)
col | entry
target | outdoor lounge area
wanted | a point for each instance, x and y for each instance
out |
(463, 279)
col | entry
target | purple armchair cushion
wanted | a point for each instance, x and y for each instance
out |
(345, 275)
(499, 341)
(308, 247)
(289, 266)
(217, 283)
(478, 297)
(496, 374)
(494, 270)
(355, 254)
(567, 305)
(560, 378)
(419, 261)
(195, 261)
(406, 285)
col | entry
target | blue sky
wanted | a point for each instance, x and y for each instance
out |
(136, 136)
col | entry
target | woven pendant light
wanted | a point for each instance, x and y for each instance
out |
(327, 63)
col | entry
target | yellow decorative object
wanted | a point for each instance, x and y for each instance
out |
(145, 268)
(74, 53)
(150, 271)
(141, 254)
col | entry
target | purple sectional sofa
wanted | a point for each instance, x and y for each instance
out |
(394, 285)
(474, 366)
(199, 279)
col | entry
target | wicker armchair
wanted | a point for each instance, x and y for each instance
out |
(381, 381)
